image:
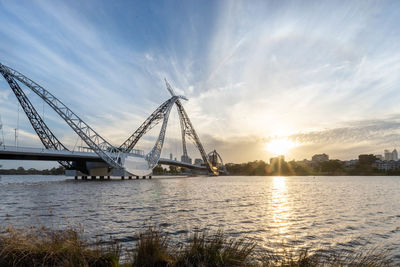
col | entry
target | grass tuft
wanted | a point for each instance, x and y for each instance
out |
(42, 247)
(302, 258)
(152, 249)
(215, 250)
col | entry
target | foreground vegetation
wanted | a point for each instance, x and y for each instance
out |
(42, 247)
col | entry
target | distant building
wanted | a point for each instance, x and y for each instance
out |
(395, 156)
(387, 155)
(379, 157)
(170, 156)
(186, 159)
(320, 158)
(390, 155)
(390, 165)
(198, 162)
(277, 159)
(276, 163)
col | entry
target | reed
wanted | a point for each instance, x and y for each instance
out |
(40, 246)
(215, 250)
(302, 258)
(152, 248)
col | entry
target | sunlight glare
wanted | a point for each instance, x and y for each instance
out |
(279, 146)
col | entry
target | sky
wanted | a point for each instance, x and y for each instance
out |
(322, 74)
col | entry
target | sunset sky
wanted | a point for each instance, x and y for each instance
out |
(322, 75)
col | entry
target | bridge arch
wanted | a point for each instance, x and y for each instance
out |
(135, 165)
(117, 158)
(97, 143)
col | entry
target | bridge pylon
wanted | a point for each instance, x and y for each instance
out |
(188, 130)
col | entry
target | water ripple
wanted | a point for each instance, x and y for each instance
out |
(323, 212)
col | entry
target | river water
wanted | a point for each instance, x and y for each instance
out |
(320, 212)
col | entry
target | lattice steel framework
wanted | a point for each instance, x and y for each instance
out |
(154, 155)
(188, 130)
(46, 136)
(110, 154)
(149, 123)
(97, 143)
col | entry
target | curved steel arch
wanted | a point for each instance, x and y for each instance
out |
(110, 154)
(154, 155)
(151, 159)
(46, 136)
(188, 130)
(148, 124)
(97, 143)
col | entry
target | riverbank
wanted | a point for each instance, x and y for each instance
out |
(40, 246)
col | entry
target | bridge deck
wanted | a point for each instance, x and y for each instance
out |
(41, 154)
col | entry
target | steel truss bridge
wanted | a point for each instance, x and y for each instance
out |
(103, 159)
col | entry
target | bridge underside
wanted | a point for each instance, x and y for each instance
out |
(85, 160)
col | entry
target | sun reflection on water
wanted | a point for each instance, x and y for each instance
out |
(280, 208)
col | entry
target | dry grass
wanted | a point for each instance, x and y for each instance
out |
(215, 250)
(42, 247)
(302, 258)
(152, 249)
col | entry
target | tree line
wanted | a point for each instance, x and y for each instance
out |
(300, 168)
(21, 171)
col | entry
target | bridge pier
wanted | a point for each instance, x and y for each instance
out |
(108, 177)
(93, 177)
(144, 177)
(149, 176)
(137, 177)
(76, 177)
(130, 177)
(101, 177)
(122, 177)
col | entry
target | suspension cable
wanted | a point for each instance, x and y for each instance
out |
(16, 129)
(43, 117)
(77, 140)
(2, 133)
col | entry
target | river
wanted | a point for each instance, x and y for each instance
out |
(319, 212)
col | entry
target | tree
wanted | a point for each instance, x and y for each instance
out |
(173, 170)
(332, 167)
(158, 169)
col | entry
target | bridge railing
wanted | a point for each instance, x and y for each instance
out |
(88, 149)
(27, 149)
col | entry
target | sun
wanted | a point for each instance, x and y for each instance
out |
(279, 146)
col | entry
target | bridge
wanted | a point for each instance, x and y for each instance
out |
(102, 158)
